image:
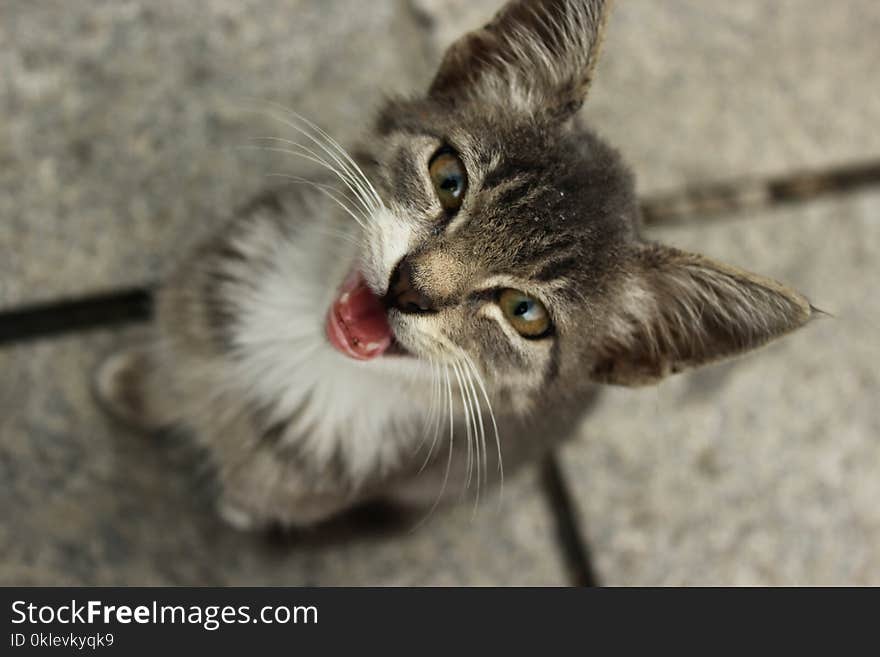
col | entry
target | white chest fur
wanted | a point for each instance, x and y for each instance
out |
(368, 414)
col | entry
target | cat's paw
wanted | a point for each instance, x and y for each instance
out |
(120, 386)
(278, 512)
(239, 518)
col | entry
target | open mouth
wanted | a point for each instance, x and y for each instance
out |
(357, 322)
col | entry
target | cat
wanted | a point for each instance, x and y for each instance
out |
(446, 311)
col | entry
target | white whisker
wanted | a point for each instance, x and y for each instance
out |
(482, 386)
(429, 417)
(355, 168)
(480, 444)
(467, 425)
(355, 187)
(324, 189)
(449, 406)
(438, 419)
(429, 420)
(353, 171)
(473, 450)
(307, 181)
(310, 158)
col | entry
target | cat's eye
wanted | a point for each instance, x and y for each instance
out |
(526, 314)
(449, 178)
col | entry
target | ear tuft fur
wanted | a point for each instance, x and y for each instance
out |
(536, 55)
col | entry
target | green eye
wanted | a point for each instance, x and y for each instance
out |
(449, 178)
(526, 314)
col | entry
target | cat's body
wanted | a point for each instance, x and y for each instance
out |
(296, 430)
(457, 299)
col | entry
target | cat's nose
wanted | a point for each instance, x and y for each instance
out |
(404, 295)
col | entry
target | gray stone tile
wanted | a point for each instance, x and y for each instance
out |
(119, 146)
(127, 126)
(763, 470)
(691, 90)
(84, 502)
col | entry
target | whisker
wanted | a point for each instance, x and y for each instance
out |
(482, 435)
(429, 418)
(349, 182)
(265, 107)
(336, 191)
(473, 451)
(482, 386)
(437, 420)
(467, 425)
(351, 174)
(355, 168)
(449, 406)
(472, 427)
(310, 158)
(328, 190)
(306, 155)
(323, 189)
(335, 188)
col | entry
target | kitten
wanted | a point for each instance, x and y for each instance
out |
(445, 312)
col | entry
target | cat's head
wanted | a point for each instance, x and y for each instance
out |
(508, 233)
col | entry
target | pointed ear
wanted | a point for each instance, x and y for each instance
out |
(679, 310)
(538, 55)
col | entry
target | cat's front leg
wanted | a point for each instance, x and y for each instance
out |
(268, 490)
(241, 511)
(128, 386)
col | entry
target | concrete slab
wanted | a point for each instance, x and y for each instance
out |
(120, 145)
(763, 470)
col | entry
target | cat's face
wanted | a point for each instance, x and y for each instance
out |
(505, 236)
(511, 227)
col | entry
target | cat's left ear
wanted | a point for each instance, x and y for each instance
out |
(676, 310)
(535, 55)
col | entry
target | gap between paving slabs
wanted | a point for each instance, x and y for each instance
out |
(133, 305)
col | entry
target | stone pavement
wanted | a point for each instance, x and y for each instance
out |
(122, 141)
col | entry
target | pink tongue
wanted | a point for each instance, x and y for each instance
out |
(357, 324)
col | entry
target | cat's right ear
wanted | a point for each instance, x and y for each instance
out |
(535, 55)
(678, 310)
